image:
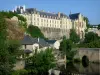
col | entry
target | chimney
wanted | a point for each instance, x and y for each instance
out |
(24, 8)
(16, 8)
(58, 14)
(38, 39)
(70, 12)
(42, 10)
(21, 11)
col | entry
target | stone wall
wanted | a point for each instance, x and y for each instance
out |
(93, 54)
(54, 33)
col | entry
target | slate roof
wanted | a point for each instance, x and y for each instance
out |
(30, 10)
(47, 14)
(74, 16)
(51, 41)
(28, 40)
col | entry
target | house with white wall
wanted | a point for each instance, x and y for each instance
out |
(30, 44)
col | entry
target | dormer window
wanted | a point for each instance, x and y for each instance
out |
(41, 15)
(50, 16)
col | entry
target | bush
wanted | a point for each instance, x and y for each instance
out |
(90, 36)
(34, 31)
(74, 37)
(93, 44)
(40, 63)
(11, 14)
(20, 72)
(77, 60)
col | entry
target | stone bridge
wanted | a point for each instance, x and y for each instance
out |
(93, 54)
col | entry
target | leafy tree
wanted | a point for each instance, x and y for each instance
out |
(40, 63)
(63, 45)
(34, 31)
(87, 22)
(69, 51)
(11, 14)
(92, 40)
(90, 36)
(94, 44)
(73, 36)
(4, 60)
(99, 27)
(66, 48)
(8, 50)
(20, 72)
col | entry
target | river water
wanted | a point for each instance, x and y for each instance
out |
(72, 68)
(79, 69)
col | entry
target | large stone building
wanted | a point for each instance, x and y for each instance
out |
(53, 25)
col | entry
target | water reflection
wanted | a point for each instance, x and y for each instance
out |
(92, 68)
(78, 68)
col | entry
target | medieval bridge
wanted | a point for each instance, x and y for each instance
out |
(93, 54)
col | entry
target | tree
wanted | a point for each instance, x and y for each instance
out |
(90, 36)
(63, 45)
(10, 14)
(94, 44)
(69, 51)
(7, 50)
(99, 27)
(4, 59)
(87, 22)
(66, 48)
(34, 31)
(40, 63)
(73, 36)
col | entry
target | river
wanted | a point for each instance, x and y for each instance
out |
(79, 69)
(72, 68)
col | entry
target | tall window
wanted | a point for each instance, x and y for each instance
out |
(37, 19)
(50, 21)
(41, 20)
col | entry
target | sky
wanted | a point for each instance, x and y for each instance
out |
(88, 8)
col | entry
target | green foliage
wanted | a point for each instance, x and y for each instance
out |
(7, 49)
(4, 60)
(34, 31)
(86, 30)
(99, 27)
(92, 40)
(76, 60)
(40, 63)
(11, 14)
(94, 44)
(73, 36)
(87, 22)
(66, 48)
(69, 51)
(90, 36)
(63, 46)
(20, 72)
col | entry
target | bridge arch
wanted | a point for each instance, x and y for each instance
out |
(85, 61)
